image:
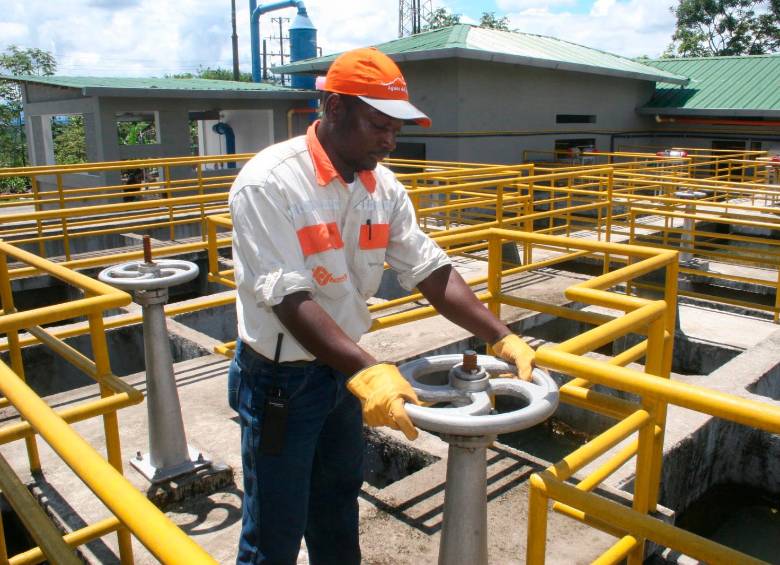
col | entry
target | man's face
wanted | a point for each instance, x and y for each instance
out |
(365, 136)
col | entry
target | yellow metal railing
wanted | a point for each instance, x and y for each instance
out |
(654, 319)
(71, 202)
(448, 197)
(631, 526)
(755, 255)
(133, 513)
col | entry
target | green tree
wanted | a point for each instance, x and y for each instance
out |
(490, 21)
(69, 140)
(441, 17)
(138, 132)
(708, 28)
(13, 143)
(214, 74)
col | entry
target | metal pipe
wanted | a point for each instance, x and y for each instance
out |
(464, 525)
(221, 128)
(255, 12)
(715, 121)
(291, 112)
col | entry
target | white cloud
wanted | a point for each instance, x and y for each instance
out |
(13, 32)
(629, 28)
(505, 6)
(157, 37)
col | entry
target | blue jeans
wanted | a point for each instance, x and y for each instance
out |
(310, 490)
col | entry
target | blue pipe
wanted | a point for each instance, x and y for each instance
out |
(221, 128)
(254, 27)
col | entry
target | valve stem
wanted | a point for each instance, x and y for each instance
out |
(470, 361)
(148, 250)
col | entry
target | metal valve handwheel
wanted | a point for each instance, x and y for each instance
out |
(140, 275)
(471, 385)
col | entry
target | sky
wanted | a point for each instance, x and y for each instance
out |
(160, 37)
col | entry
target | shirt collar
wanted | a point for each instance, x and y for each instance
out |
(324, 169)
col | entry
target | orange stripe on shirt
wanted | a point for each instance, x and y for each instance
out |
(318, 238)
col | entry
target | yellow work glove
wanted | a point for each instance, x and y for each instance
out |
(382, 390)
(512, 349)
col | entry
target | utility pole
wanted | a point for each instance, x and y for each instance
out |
(413, 15)
(234, 38)
(281, 21)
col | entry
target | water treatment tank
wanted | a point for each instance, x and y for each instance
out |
(303, 45)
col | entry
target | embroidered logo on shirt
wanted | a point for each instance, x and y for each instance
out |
(323, 276)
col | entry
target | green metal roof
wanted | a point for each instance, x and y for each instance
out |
(131, 86)
(472, 42)
(723, 86)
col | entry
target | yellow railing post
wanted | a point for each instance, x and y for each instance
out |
(15, 353)
(665, 370)
(500, 204)
(567, 231)
(110, 419)
(610, 204)
(646, 464)
(610, 201)
(64, 221)
(536, 545)
(168, 196)
(3, 547)
(211, 229)
(495, 266)
(528, 227)
(202, 205)
(777, 297)
(38, 224)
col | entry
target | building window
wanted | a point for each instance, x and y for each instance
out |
(566, 149)
(137, 128)
(575, 119)
(64, 139)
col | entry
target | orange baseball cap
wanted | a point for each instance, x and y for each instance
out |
(373, 77)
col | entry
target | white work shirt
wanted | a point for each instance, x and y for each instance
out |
(297, 226)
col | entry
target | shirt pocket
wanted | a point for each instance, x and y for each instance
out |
(318, 238)
(323, 254)
(372, 249)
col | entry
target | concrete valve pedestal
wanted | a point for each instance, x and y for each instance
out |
(469, 425)
(169, 455)
(689, 225)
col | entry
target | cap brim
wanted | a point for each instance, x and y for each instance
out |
(400, 109)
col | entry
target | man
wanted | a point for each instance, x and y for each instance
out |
(315, 218)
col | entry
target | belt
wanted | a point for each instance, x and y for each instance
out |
(302, 363)
(289, 363)
(281, 363)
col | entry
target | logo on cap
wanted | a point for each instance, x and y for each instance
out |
(398, 84)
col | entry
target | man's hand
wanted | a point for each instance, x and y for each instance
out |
(382, 390)
(512, 349)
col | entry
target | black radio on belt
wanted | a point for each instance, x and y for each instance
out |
(274, 426)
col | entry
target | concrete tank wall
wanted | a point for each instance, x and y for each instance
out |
(48, 374)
